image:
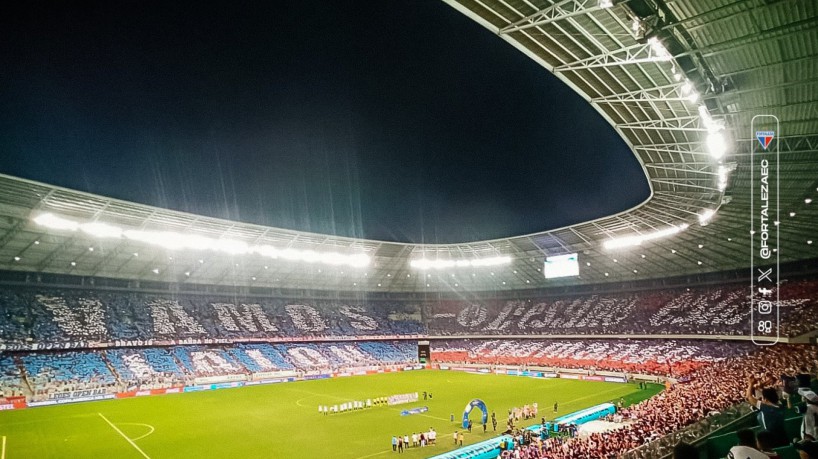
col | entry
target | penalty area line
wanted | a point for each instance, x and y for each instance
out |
(124, 436)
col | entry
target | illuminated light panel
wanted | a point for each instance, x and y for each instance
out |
(660, 53)
(424, 263)
(173, 240)
(705, 216)
(54, 222)
(630, 241)
(723, 172)
(716, 144)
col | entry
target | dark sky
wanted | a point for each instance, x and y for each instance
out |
(393, 120)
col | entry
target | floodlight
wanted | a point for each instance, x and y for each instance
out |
(629, 241)
(424, 263)
(52, 221)
(660, 53)
(102, 230)
(705, 216)
(716, 144)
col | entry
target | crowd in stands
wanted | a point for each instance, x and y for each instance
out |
(51, 373)
(10, 378)
(709, 390)
(657, 357)
(112, 370)
(722, 310)
(50, 318)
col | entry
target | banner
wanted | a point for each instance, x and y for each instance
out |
(402, 398)
(273, 374)
(12, 403)
(72, 400)
(419, 410)
(77, 394)
(219, 379)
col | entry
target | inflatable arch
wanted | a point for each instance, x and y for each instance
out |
(476, 403)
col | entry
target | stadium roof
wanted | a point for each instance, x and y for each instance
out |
(667, 75)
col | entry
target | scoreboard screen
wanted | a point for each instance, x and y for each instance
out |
(561, 266)
(423, 351)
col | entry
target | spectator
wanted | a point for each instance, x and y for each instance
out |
(807, 449)
(770, 413)
(746, 448)
(685, 451)
(765, 441)
(809, 424)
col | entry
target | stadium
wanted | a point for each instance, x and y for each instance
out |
(129, 330)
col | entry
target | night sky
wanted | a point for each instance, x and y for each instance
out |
(392, 120)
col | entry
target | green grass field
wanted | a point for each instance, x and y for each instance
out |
(282, 420)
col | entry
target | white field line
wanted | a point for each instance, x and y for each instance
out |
(151, 429)
(124, 436)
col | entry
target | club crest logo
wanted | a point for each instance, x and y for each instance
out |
(764, 138)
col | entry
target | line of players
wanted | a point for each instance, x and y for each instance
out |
(354, 405)
(418, 439)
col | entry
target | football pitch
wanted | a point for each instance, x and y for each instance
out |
(282, 420)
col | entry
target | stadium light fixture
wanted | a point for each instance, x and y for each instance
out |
(16, 258)
(693, 96)
(792, 214)
(660, 53)
(173, 240)
(424, 263)
(807, 201)
(52, 221)
(629, 241)
(705, 216)
(723, 174)
(716, 144)
(605, 3)
(101, 230)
